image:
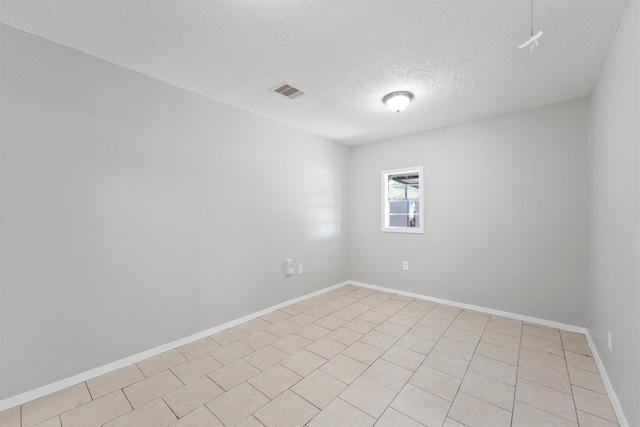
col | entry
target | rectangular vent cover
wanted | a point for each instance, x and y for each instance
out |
(287, 90)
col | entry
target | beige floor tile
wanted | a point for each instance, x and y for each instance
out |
(426, 331)
(391, 328)
(201, 417)
(506, 321)
(287, 410)
(161, 362)
(199, 348)
(368, 396)
(237, 404)
(302, 319)
(496, 352)
(495, 369)
(416, 343)
(250, 421)
(527, 416)
(326, 347)
(586, 379)
(120, 378)
(303, 362)
(150, 389)
(580, 347)
(231, 352)
(501, 328)
(366, 346)
(489, 390)
(51, 422)
(593, 403)
(388, 374)
(360, 325)
(345, 336)
(385, 309)
(455, 348)
(233, 374)
(291, 343)
(153, 414)
(546, 376)
(473, 412)
(450, 422)
(53, 404)
(436, 382)
(343, 368)
(502, 340)
(470, 324)
(462, 335)
(319, 388)
(362, 352)
(379, 340)
(393, 418)
(422, 406)
(549, 346)
(195, 368)
(446, 363)
(330, 322)
(265, 357)
(404, 319)
(588, 420)
(255, 325)
(275, 317)
(432, 319)
(540, 357)
(190, 396)
(413, 311)
(403, 357)
(229, 335)
(259, 339)
(374, 317)
(274, 380)
(581, 361)
(97, 412)
(10, 417)
(546, 333)
(341, 413)
(282, 329)
(547, 399)
(313, 332)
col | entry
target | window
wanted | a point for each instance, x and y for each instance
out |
(402, 196)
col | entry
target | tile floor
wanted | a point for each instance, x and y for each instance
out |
(349, 357)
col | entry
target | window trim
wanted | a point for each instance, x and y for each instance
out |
(385, 201)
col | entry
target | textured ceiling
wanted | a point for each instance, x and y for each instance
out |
(458, 57)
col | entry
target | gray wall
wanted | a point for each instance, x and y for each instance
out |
(135, 213)
(505, 213)
(614, 208)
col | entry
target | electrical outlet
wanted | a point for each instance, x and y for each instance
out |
(405, 265)
(300, 269)
(609, 340)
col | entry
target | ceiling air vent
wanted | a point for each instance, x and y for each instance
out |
(287, 90)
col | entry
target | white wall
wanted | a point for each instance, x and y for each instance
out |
(614, 208)
(505, 213)
(134, 213)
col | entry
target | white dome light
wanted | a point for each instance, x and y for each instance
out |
(397, 101)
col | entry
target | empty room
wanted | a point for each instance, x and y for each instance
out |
(291, 213)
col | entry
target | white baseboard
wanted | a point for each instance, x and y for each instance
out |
(617, 408)
(603, 372)
(101, 370)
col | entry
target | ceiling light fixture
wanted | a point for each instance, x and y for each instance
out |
(397, 101)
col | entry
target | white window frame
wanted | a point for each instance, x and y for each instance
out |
(385, 201)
